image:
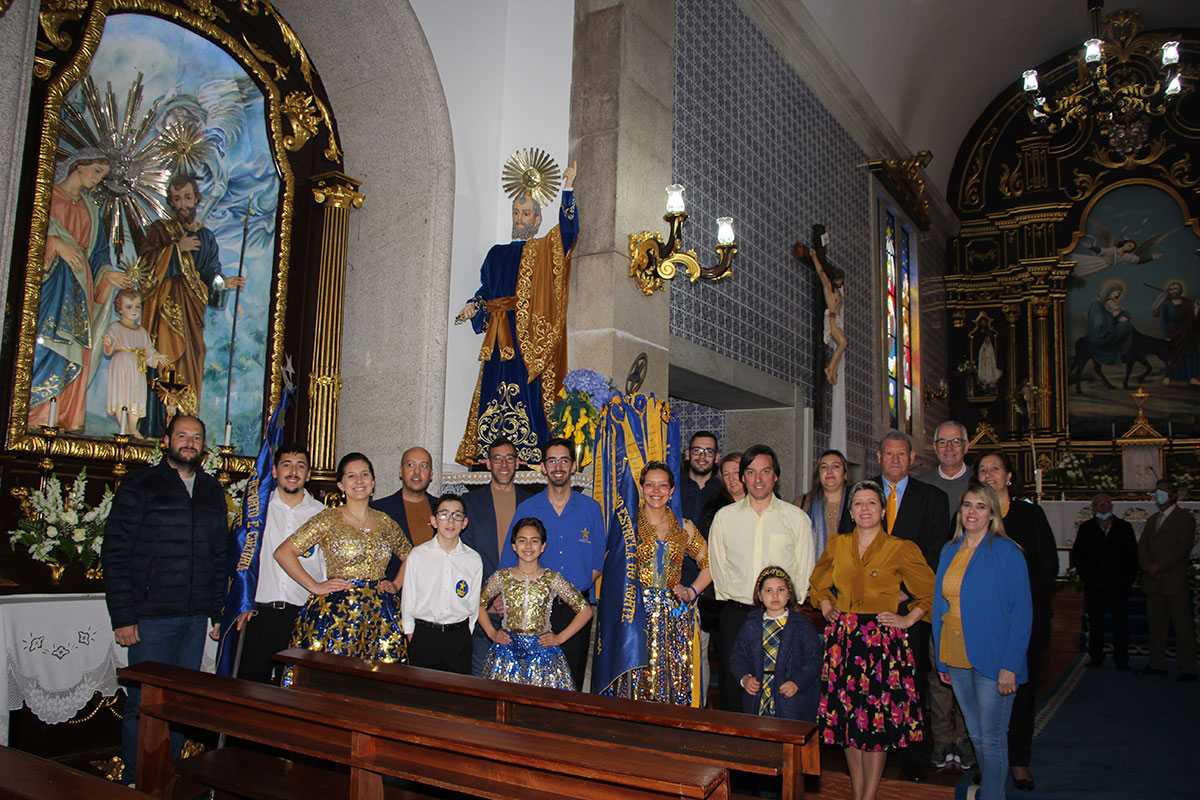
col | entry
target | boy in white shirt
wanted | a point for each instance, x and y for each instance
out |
(442, 579)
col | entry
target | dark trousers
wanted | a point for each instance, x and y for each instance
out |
(436, 647)
(915, 757)
(178, 641)
(575, 649)
(733, 617)
(1020, 725)
(264, 635)
(1096, 605)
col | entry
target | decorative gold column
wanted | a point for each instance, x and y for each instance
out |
(1041, 376)
(1012, 313)
(336, 193)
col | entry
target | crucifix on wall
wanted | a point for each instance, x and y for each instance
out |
(832, 279)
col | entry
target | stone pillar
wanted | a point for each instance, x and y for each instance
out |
(336, 194)
(622, 123)
(18, 34)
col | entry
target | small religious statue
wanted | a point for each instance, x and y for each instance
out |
(832, 280)
(521, 306)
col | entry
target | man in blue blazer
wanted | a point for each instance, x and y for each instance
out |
(412, 506)
(490, 511)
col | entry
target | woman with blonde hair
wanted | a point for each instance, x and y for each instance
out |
(982, 614)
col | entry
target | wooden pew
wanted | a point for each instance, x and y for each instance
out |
(742, 742)
(27, 777)
(375, 739)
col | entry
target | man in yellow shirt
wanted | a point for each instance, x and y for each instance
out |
(758, 531)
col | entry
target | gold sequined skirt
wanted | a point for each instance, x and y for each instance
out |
(671, 630)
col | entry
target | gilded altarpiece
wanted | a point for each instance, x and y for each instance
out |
(126, 95)
(1074, 279)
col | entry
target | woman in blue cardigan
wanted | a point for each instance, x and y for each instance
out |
(982, 614)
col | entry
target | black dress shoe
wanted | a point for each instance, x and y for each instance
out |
(1186, 677)
(1151, 671)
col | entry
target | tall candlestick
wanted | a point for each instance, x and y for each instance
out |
(227, 431)
(53, 412)
(1114, 430)
(124, 416)
(1037, 479)
(1170, 430)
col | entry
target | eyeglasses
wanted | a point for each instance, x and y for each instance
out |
(564, 461)
(503, 459)
(457, 516)
(703, 451)
(949, 442)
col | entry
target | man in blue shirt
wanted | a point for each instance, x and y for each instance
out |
(575, 542)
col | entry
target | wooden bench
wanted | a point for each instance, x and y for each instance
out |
(27, 777)
(375, 739)
(759, 745)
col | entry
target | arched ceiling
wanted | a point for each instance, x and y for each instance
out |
(930, 67)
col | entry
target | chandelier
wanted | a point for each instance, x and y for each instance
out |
(1122, 79)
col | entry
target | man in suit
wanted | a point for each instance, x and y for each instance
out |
(490, 510)
(1106, 557)
(412, 507)
(919, 513)
(1163, 552)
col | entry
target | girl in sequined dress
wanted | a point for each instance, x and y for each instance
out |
(525, 650)
(670, 674)
(349, 614)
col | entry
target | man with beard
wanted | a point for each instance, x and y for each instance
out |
(412, 507)
(491, 510)
(164, 565)
(758, 531)
(1179, 318)
(521, 304)
(179, 274)
(277, 598)
(575, 543)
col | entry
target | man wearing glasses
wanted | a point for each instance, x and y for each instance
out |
(951, 745)
(490, 509)
(575, 542)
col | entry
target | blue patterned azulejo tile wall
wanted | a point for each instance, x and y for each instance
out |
(753, 142)
(696, 417)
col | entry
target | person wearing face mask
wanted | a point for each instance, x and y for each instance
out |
(1105, 557)
(1163, 552)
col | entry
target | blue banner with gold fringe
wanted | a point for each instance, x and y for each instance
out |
(242, 554)
(632, 431)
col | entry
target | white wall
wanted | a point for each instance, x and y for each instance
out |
(505, 67)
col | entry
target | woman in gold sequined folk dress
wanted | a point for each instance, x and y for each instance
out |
(672, 646)
(349, 614)
(525, 650)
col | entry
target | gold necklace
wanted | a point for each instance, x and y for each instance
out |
(349, 518)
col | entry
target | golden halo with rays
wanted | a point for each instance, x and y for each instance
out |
(531, 173)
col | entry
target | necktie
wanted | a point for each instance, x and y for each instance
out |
(772, 633)
(891, 507)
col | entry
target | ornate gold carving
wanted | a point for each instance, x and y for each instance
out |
(42, 67)
(1012, 312)
(972, 191)
(298, 108)
(648, 280)
(1012, 182)
(54, 13)
(206, 9)
(338, 195)
(903, 176)
(281, 72)
(1041, 306)
(1178, 172)
(1086, 183)
(324, 382)
(507, 416)
(1101, 155)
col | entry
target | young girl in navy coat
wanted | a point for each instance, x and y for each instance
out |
(777, 653)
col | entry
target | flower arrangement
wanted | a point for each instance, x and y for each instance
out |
(968, 367)
(61, 527)
(576, 413)
(1069, 469)
(1108, 483)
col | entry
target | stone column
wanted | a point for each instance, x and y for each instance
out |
(622, 112)
(18, 34)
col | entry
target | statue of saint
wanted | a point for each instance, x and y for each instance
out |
(521, 307)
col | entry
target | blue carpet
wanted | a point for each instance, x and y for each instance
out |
(1112, 735)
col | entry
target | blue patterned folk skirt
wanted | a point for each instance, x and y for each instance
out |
(870, 700)
(668, 674)
(362, 621)
(525, 660)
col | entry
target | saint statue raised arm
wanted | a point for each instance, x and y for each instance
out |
(521, 308)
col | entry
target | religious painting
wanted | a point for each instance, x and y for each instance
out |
(1133, 314)
(155, 290)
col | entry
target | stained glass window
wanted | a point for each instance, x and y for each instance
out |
(899, 262)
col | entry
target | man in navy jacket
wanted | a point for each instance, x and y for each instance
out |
(164, 565)
(490, 512)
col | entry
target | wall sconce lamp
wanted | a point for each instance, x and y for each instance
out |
(941, 392)
(653, 262)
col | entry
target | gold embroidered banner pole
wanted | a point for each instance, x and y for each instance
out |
(336, 193)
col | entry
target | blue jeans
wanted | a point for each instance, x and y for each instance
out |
(986, 713)
(178, 641)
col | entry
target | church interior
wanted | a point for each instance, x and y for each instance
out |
(1012, 219)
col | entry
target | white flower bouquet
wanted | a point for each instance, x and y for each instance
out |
(59, 527)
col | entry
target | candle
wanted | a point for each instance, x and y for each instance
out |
(53, 412)
(124, 415)
(1114, 430)
(1170, 430)
(227, 431)
(1037, 479)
